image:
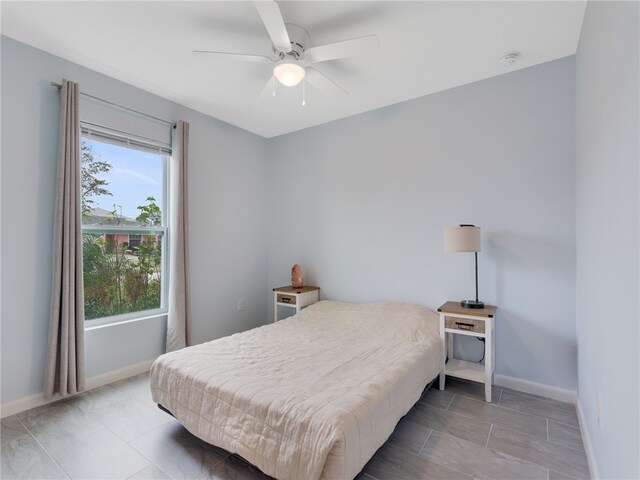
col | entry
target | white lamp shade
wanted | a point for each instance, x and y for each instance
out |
(289, 73)
(462, 239)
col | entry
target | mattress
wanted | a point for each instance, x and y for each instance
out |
(312, 396)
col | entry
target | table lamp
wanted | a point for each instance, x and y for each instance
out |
(465, 238)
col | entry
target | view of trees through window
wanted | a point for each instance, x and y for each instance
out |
(122, 229)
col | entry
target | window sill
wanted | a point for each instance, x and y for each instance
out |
(123, 319)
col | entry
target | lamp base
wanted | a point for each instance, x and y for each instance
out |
(472, 304)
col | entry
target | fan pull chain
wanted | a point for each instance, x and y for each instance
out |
(304, 100)
(273, 86)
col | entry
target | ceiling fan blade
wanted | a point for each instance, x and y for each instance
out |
(242, 57)
(346, 48)
(272, 18)
(322, 83)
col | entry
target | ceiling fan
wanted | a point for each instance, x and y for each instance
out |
(292, 56)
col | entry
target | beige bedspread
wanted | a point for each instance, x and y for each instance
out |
(312, 396)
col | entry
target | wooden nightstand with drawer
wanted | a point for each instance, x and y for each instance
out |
(297, 298)
(476, 322)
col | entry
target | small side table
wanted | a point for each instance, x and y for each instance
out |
(475, 322)
(296, 298)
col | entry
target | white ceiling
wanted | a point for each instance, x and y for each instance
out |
(425, 47)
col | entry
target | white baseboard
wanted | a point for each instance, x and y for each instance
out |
(586, 438)
(37, 400)
(535, 388)
(120, 374)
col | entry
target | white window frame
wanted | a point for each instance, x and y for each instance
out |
(104, 135)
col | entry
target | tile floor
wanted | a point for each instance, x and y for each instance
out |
(116, 432)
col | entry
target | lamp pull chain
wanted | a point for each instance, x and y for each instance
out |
(304, 101)
(273, 86)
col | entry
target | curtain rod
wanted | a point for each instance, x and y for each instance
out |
(161, 120)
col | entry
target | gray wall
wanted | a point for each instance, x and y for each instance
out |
(227, 181)
(361, 204)
(608, 311)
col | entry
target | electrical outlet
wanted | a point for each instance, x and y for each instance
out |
(600, 411)
(240, 304)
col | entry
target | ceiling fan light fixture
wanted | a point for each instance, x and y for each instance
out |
(289, 72)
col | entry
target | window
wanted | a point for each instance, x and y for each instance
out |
(134, 240)
(124, 226)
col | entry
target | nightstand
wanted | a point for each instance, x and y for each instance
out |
(296, 298)
(474, 322)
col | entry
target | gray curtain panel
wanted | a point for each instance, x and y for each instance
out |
(178, 318)
(65, 373)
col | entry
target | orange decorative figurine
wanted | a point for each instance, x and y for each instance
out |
(297, 281)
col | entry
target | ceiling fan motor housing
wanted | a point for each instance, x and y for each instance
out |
(299, 42)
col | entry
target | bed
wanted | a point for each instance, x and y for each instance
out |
(312, 396)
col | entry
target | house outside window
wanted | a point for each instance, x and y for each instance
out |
(124, 227)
